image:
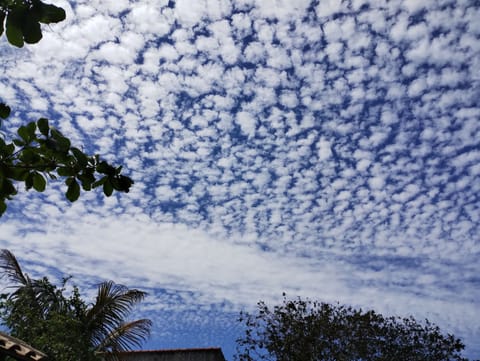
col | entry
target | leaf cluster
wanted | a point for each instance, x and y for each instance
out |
(62, 325)
(305, 330)
(40, 152)
(21, 19)
(45, 316)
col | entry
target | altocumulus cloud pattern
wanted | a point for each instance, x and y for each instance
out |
(328, 149)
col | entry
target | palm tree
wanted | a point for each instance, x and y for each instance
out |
(40, 293)
(101, 327)
(105, 319)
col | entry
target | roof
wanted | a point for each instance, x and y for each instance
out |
(18, 349)
(186, 354)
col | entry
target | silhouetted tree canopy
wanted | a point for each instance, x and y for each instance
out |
(305, 330)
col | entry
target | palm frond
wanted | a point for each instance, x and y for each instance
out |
(126, 336)
(48, 297)
(112, 306)
(11, 268)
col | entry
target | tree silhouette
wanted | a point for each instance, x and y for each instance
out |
(305, 330)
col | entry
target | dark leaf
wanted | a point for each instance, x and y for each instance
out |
(14, 28)
(29, 181)
(18, 142)
(105, 168)
(29, 156)
(35, 11)
(7, 188)
(2, 20)
(43, 126)
(3, 207)
(9, 149)
(122, 183)
(32, 157)
(62, 143)
(39, 182)
(81, 157)
(73, 191)
(108, 188)
(23, 133)
(56, 134)
(100, 182)
(18, 174)
(32, 33)
(87, 180)
(51, 143)
(66, 171)
(51, 14)
(4, 109)
(31, 128)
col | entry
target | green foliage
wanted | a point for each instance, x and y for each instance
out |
(62, 325)
(21, 20)
(44, 316)
(40, 152)
(4, 110)
(300, 330)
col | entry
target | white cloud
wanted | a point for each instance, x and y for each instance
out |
(189, 13)
(247, 123)
(146, 18)
(413, 6)
(254, 52)
(329, 7)
(416, 87)
(281, 9)
(376, 182)
(334, 51)
(228, 116)
(324, 149)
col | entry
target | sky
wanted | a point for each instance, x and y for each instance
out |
(329, 150)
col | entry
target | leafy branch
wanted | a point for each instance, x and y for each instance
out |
(21, 20)
(41, 152)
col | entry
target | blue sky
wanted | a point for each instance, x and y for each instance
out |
(326, 149)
